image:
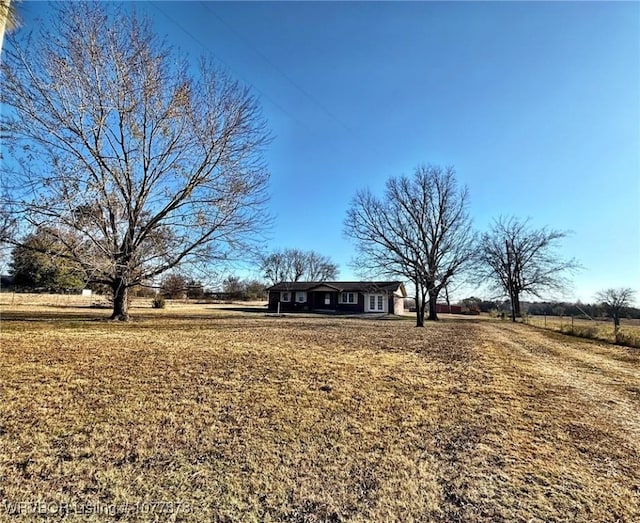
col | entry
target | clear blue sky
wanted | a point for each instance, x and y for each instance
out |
(537, 105)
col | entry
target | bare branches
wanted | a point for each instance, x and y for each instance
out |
(297, 265)
(115, 139)
(420, 230)
(615, 301)
(520, 260)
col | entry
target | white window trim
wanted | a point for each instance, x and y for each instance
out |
(376, 296)
(282, 296)
(341, 298)
(303, 295)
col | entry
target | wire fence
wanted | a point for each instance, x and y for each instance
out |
(597, 329)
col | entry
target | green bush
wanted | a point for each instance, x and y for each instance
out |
(158, 302)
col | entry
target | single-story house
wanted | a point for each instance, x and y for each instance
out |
(338, 296)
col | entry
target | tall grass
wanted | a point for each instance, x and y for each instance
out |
(627, 335)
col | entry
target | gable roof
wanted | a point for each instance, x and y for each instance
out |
(340, 286)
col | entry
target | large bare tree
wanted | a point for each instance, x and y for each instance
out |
(9, 22)
(419, 230)
(517, 259)
(615, 301)
(149, 160)
(297, 265)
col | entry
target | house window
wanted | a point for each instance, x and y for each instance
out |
(327, 298)
(376, 303)
(285, 296)
(301, 296)
(348, 297)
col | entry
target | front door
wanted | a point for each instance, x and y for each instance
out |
(322, 300)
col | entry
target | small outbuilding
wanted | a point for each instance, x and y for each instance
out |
(338, 296)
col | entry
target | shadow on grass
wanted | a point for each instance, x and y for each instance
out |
(244, 310)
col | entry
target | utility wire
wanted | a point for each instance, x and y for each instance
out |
(201, 44)
(248, 43)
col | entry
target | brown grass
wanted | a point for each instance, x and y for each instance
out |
(250, 418)
(628, 335)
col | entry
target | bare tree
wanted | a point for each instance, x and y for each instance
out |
(615, 301)
(9, 21)
(420, 230)
(519, 260)
(8, 222)
(150, 162)
(276, 267)
(320, 267)
(297, 265)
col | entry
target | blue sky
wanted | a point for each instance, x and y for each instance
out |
(537, 105)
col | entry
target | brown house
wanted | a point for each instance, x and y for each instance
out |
(338, 296)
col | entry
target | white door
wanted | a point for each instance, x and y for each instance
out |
(375, 303)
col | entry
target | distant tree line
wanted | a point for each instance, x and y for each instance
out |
(475, 305)
(178, 286)
(243, 290)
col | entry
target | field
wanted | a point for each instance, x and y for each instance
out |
(629, 333)
(207, 414)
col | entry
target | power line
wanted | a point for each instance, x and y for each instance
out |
(248, 43)
(220, 59)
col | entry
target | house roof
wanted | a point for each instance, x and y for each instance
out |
(340, 286)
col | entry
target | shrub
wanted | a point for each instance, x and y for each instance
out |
(628, 339)
(581, 331)
(158, 302)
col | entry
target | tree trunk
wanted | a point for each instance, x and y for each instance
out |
(419, 311)
(120, 301)
(517, 306)
(433, 311)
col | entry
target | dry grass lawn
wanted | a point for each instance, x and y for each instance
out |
(253, 418)
(629, 334)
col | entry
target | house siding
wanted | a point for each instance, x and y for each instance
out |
(315, 301)
(398, 304)
(316, 293)
(351, 307)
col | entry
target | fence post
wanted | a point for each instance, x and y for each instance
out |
(545, 320)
